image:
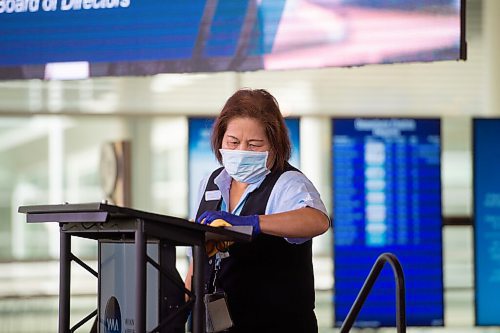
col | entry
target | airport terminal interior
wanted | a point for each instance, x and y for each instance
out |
(52, 131)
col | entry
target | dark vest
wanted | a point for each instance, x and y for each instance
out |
(269, 282)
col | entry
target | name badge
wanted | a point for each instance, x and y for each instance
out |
(212, 195)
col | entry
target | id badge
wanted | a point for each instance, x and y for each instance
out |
(217, 313)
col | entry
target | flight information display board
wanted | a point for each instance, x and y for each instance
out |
(487, 220)
(387, 198)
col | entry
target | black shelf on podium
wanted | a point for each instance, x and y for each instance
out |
(104, 223)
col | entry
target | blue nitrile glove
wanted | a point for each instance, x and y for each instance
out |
(250, 220)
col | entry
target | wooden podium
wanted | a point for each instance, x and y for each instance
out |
(109, 224)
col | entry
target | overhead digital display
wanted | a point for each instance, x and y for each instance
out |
(201, 159)
(387, 198)
(487, 220)
(143, 37)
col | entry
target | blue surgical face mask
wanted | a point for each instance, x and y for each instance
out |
(245, 166)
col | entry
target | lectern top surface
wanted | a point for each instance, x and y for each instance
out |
(65, 213)
(59, 208)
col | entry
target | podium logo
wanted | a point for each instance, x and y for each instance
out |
(112, 316)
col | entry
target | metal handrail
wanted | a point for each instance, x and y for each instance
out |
(367, 287)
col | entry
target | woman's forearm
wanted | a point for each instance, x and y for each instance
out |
(301, 223)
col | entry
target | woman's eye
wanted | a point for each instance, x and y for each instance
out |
(254, 146)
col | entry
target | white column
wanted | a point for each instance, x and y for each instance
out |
(315, 163)
(491, 45)
(56, 178)
(55, 97)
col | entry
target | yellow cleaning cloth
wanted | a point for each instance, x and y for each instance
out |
(213, 246)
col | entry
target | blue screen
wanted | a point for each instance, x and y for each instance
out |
(387, 198)
(487, 220)
(202, 160)
(145, 37)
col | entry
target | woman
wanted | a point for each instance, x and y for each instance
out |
(269, 282)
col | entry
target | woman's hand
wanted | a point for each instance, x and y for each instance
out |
(236, 220)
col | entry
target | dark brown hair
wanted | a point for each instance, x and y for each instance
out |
(258, 104)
